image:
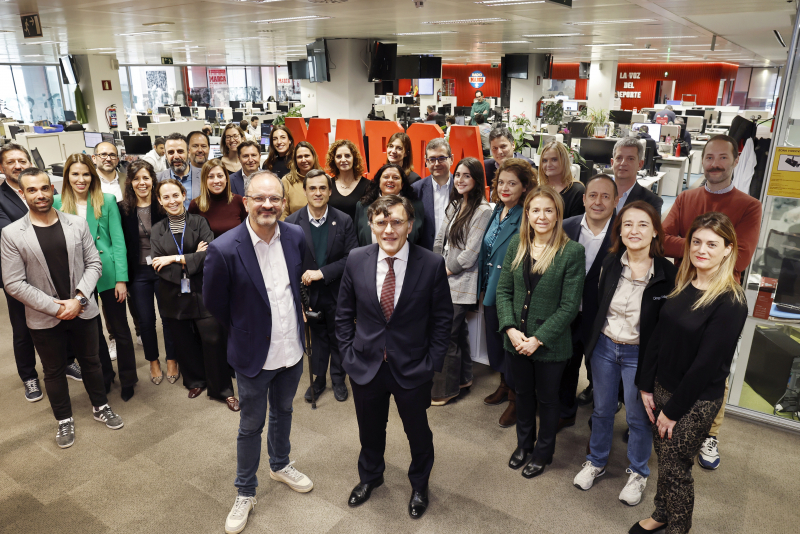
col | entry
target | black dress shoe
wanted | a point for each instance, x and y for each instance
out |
(639, 529)
(535, 467)
(518, 458)
(362, 491)
(626, 436)
(318, 389)
(565, 422)
(340, 392)
(619, 407)
(586, 396)
(418, 503)
(127, 393)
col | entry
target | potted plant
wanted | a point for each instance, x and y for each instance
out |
(552, 115)
(521, 121)
(280, 120)
(598, 122)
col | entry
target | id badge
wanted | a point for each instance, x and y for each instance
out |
(185, 288)
(149, 260)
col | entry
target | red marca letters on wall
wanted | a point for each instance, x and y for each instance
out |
(421, 135)
(465, 142)
(350, 129)
(378, 133)
(316, 134)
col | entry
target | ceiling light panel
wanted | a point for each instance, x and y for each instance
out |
(553, 35)
(620, 21)
(307, 18)
(423, 33)
(670, 37)
(465, 21)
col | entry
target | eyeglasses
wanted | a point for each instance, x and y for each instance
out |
(440, 159)
(107, 156)
(261, 199)
(394, 223)
(232, 137)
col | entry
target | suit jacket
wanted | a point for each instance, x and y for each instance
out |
(640, 193)
(235, 294)
(585, 321)
(27, 277)
(196, 177)
(341, 240)
(12, 208)
(494, 261)
(130, 229)
(364, 230)
(416, 336)
(108, 238)
(237, 182)
(490, 167)
(424, 190)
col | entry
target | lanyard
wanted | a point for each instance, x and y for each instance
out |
(146, 233)
(180, 248)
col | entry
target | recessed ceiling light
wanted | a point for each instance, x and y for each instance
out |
(150, 32)
(162, 23)
(504, 42)
(422, 33)
(96, 49)
(33, 55)
(554, 35)
(556, 48)
(290, 19)
(620, 21)
(493, 3)
(232, 39)
(634, 49)
(170, 42)
(465, 21)
(669, 37)
(709, 51)
(615, 44)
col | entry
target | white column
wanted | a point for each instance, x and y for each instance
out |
(525, 93)
(349, 94)
(602, 84)
(93, 70)
(308, 97)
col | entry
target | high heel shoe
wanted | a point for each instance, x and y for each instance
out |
(157, 379)
(127, 393)
(174, 378)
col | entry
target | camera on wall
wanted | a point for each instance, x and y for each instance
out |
(419, 3)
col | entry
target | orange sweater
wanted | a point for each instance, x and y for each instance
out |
(743, 210)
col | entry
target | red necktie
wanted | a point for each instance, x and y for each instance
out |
(387, 291)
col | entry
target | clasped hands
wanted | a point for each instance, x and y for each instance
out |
(522, 344)
(663, 423)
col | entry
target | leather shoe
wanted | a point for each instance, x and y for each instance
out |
(535, 467)
(639, 529)
(195, 392)
(586, 396)
(518, 458)
(318, 389)
(500, 395)
(340, 392)
(418, 503)
(619, 407)
(509, 417)
(362, 491)
(564, 423)
(233, 404)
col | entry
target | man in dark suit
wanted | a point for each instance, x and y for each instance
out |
(627, 161)
(251, 284)
(330, 237)
(434, 190)
(501, 147)
(593, 231)
(393, 321)
(250, 157)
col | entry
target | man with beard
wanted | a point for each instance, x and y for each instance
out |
(720, 156)
(106, 159)
(177, 149)
(199, 149)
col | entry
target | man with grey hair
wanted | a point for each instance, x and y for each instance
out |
(501, 147)
(434, 190)
(627, 161)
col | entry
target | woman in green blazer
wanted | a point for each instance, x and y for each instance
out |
(538, 296)
(81, 195)
(389, 180)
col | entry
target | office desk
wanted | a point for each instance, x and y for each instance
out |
(648, 181)
(676, 170)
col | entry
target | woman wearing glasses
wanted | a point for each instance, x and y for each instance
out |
(232, 135)
(398, 151)
(389, 180)
(281, 146)
(347, 168)
(304, 159)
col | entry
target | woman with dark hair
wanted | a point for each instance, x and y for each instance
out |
(281, 146)
(217, 203)
(304, 158)
(81, 195)
(459, 240)
(635, 278)
(139, 214)
(347, 167)
(179, 245)
(231, 136)
(389, 180)
(398, 151)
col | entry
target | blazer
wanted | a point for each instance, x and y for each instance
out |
(490, 166)
(554, 302)
(416, 336)
(341, 240)
(495, 260)
(130, 230)
(12, 208)
(108, 238)
(463, 262)
(415, 237)
(173, 303)
(585, 320)
(196, 174)
(235, 294)
(424, 190)
(655, 295)
(640, 193)
(237, 183)
(27, 277)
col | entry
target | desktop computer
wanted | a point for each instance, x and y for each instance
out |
(137, 144)
(620, 117)
(108, 137)
(654, 130)
(92, 139)
(599, 150)
(211, 115)
(186, 111)
(238, 116)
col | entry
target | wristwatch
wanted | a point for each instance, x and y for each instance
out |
(83, 301)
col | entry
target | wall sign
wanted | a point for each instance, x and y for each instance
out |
(166, 61)
(217, 77)
(629, 85)
(31, 26)
(477, 79)
(106, 85)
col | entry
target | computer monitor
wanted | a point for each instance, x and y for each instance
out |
(787, 294)
(674, 102)
(14, 130)
(92, 139)
(620, 117)
(211, 115)
(259, 105)
(186, 111)
(408, 100)
(578, 129)
(651, 114)
(654, 130)
(600, 150)
(238, 116)
(144, 120)
(137, 144)
(108, 137)
(37, 159)
(460, 120)
(216, 153)
(463, 111)
(570, 105)
(69, 115)
(234, 104)
(695, 112)
(283, 107)
(162, 110)
(444, 110)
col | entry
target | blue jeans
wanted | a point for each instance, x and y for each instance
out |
(609, 362)
(144, 288)
(276, 388)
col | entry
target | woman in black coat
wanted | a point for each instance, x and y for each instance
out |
(179, 245)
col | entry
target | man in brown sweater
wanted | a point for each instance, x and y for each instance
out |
(720, 156)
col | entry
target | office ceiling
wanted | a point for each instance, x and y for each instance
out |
(223, 32)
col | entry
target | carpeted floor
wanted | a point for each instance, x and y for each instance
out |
(171, 470)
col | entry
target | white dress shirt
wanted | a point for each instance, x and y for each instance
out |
(285, 348)
(317, 222)
(441, 196)
(591, 242)
(112, 188)
(400, 264)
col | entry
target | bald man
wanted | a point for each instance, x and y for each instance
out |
(106, 159)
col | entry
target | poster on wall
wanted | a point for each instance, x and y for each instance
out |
(217, 77)
(477, 79)
(288, 89)
(218, 86)
(784, 181)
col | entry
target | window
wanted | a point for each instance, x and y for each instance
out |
(126, 90)
(31, 93)
(269, 87)
(155, 86)
(198, 85)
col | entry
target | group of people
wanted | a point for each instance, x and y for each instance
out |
(385, 272)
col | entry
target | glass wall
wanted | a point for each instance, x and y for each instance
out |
(31, 93)
(269, 82)
(197, 80)
(126, 90)
(154, 86)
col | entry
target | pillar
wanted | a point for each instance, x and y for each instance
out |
(93, 71)
(525, 93)
(602, 84)
(308, 97)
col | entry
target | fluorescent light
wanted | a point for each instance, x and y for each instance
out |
(615, 44)
(422, 33)
(40, 43)
(672, 37)
(134, 34)
(164, 23)
(556, 48)
(290, 19)
(170, 42)
(493, 3)
(621, 21)
(504, 42)
(554, 35)
(634, 49)
(465, 21)
(239, 39)
(96, 49)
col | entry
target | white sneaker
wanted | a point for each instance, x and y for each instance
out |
(709, 454)
(585, 478)
(631, 494)
(292, 478)
(112, 349)
(237, 518)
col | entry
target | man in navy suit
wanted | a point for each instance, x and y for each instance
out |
(628, 159)
(330, 237)
(434, 190)
(393, 322)
(250, 158)
(593, 231)
(251, 284)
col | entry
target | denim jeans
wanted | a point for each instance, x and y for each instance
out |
(144, 288)
(277, 389)
(609, 362)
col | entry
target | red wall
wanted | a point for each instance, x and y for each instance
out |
(403, 87)
(463, 90)
(569, 71)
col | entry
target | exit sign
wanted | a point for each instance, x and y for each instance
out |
(166, 61)
(566, 3)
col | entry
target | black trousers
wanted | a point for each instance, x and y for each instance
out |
(372, 412)
(499, 359)
(457, 367)
(537, 385)
(202, 354)
(24, 352)
(117, 324)
(324, 346)
(567, 392)
(51, 344)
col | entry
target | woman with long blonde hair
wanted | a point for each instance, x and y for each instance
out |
(538, 295)
(555, 171)
(687, 361)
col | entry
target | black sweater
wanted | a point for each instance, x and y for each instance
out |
(573, 200)
(690, 351)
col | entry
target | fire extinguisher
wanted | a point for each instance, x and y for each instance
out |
(439, 95)
(111, 116)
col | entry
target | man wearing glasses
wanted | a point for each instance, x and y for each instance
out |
(106, 159)
(251, 284)
(178, 167)
(393, 320)
(434, 190)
